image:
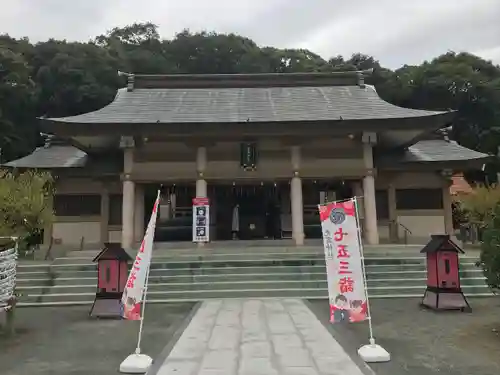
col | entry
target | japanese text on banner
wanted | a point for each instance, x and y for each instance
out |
(343, 262)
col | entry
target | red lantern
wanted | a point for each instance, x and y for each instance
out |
(112, 273)
(443, 277)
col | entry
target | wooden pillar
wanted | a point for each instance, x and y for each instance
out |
(393, 214)
(371, 226)
(297, 204)
(139, 213)
(49, 227)
(128, 202)
(447, 204)
(104, 214)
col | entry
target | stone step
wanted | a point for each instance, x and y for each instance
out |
(242, 247)
(190, 268)
(244, 258)
(33, 275)
(390, 264)
(26, 267)
(286, 292)
(257, 256)
(225, 274)
(259, 284)
(261, 274)
(388, 278)
(373, 271)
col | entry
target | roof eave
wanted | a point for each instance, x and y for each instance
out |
(426, 123)
(459, 165)
(443, 119)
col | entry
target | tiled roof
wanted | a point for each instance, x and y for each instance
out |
(55, 156)
(248, 104)
(440, 150)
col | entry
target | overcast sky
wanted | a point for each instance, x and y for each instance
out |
(394, 31)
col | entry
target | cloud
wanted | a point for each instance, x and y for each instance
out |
(394, 31)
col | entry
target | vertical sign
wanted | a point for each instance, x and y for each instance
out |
(201, 219)
(344, 268)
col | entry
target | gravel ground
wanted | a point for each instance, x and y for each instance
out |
(64, 341)
(424, 342)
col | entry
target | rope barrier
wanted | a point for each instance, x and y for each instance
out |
(8, 263)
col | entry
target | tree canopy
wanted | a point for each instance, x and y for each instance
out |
(60, 78)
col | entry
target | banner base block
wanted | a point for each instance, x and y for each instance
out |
(136, 364)
(373, 353)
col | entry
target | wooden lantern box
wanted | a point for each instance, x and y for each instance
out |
(443, 275)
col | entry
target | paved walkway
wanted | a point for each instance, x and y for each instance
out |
(257, 337)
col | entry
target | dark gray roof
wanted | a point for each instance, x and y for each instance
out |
(65, 156)
(439, 153)
(440, 150)
(51, 157)
(253, 104)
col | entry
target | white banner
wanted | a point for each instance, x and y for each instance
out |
(201, 219)
(133, 294)
(344, 268)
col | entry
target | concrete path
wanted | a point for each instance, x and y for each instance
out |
(257, 337)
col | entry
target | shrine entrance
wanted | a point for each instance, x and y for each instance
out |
(243, 210)
(247, 211)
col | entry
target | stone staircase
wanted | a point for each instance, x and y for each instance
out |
(183, 273)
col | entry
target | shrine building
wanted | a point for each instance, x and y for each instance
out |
(272, 145)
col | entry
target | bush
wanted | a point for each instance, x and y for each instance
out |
(479, 206)
(490, 251)
(25, 202)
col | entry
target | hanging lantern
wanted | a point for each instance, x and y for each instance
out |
(248, 156)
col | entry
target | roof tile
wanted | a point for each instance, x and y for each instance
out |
(254, 104)
(51, 157)
(440, 150)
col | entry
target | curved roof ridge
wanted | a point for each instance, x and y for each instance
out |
(388, 103)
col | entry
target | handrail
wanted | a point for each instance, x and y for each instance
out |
(406, 230)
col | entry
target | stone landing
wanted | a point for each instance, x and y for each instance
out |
(257, 337)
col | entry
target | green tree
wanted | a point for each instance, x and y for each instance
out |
(73, 78)
(481, 204)
(25, 202)
(212, 53)
(458, 81)
(57, 78)
(482, 207)
(137, 48)
(135, 34)
(490, 251)
(24, 209)
(17, 126)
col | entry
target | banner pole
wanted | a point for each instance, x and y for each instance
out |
(141, 323)
(372, 352)
(365, 282)
(146, 283)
